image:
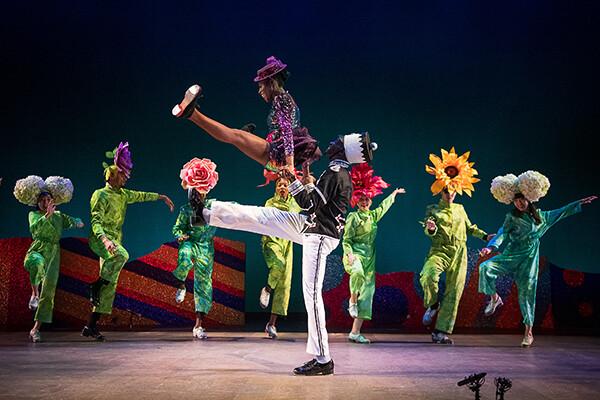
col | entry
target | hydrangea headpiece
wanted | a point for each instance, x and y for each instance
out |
(28, 190)
(365, 184)
(121, 161)
(452, 172)
(199, 174)
(531, 184)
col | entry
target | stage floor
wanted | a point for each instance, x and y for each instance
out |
(247, 365)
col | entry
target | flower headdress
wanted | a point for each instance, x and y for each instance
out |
(365, 184)
(28, 190)
(121, 161)
(531, 184)
(199, 174)
(452, 172)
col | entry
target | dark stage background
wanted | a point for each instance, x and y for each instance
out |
(514, 82)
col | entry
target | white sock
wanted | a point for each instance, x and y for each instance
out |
(323, 359)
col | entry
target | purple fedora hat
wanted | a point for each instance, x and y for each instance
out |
(273, 66)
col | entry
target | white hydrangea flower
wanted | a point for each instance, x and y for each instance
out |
(504, 188)
(533, 185)
(60, 188)
(27, 190)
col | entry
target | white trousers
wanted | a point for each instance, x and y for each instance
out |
(315, 249)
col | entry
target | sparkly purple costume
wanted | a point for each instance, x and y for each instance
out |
(287, 138)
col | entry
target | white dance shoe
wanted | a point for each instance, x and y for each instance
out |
(358, 338)
(272, 331)
(492, 305)
(188, 104)
(199, 333)
(180, 295)
(33, 302)
(353, 310)
(264, 298)
(35, 336)
(527, 341)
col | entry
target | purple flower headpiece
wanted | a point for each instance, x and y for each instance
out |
(273, 66)
(122, 159)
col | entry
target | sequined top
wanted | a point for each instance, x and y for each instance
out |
(283, 118)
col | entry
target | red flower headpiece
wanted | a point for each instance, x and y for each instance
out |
(365, 184)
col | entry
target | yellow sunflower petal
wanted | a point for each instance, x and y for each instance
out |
(437, 186)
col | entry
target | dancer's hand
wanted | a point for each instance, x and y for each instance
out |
(351, 258)
(485, 251)
(398, 190)
(287, 172)
(490, 237)
(51, 208)
(183, 238)
(587, 200)
(80, 225)
(430, 225)
(167, 200)
(110, 246)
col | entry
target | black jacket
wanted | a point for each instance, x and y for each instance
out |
(327, 204)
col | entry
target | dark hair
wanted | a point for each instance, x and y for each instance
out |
(43, 193)
(281, 77)
(531, 210)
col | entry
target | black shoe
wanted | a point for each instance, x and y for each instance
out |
(197, 219)
(315, 368)
(187, 106)
(94, 290)
(249, 127)
(93, 333)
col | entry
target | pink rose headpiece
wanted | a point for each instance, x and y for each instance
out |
(365, 184)
(121, 160)
(273, 66)
(199, 174)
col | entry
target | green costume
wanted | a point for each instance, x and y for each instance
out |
(359, 239)
(197, 252)
(108, 214)
(279, 257)
(448, 254)
(42, 260)
(521, 256)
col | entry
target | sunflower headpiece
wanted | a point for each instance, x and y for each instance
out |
(452, 172)
(365, 184)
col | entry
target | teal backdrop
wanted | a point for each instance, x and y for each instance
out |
(516, 83)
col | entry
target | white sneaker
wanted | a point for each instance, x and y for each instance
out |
(272, 331)
(33, 302)
(492, 305)
(180, 295)
(440, 338)
(264, 297)
(527, 341)
(358, 338)
(35, 336)
(429, 314)
(199, 333)
(353, 310)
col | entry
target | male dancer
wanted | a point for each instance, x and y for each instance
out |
(108, 214)
(318, 229)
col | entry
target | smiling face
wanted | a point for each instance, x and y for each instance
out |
(265, 90)
(521, 203)
(117, 181)
(44, 201)
(364, 203)
(282, 188)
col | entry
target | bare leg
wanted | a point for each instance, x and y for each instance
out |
(251, 145)
(272, 320)
(35, 290)
(36, 326)
(353, 297)
(356, 326)
(199, 316)
(528, 330)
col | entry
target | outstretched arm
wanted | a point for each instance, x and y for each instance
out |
(167, 201)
